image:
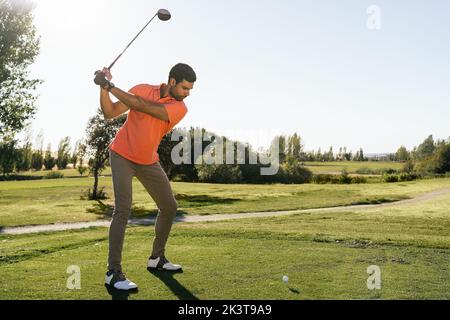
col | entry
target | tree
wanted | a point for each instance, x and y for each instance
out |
(82, 151)
(402, 154)
(408, 167)
(100, 133)
(81, 154)
(329, 156)
(18, 48)
(23, 161)
(294, 146)
(165, 152)
(281, 140)
(340, 156)
(359, 155)
(8, 156)
(349, 156)
(37, 158)
(319, 156)
(26, 154)
(440, 161)
(425, 149)
(63, 153)
(49, 160)
(344, 155)
(251, 173)
(294, 172)
(74, 157)
(186, 171)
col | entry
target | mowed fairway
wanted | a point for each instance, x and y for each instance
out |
(337, 167)
(55, 201)
(325, 255)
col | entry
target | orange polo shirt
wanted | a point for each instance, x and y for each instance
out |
(139, 138)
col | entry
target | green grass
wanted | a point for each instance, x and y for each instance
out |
(351, 166)
(68, 173)
(56, 201)
(325, 255)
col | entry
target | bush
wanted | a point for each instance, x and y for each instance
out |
(388, 171)
(407, 176)
(323, 178)
(390, 178)
(54, 175)
(180, 178)
(82, 170)
(292, 172)
(344, 178)
(19, 178)
(335, 179)
(358, 180)
(221, 173)
(251, 173)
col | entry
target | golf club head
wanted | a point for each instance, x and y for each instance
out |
(164, 15)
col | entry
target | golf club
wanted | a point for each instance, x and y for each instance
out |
(162, 14)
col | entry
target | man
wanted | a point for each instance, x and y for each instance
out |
(153, 112)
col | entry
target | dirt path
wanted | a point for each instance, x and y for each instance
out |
(217, 217)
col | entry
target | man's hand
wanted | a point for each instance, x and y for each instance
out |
(107, 74)
(103, 78)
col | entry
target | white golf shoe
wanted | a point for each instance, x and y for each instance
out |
(161, 263)
(117, 280)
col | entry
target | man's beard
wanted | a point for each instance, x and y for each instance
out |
(178, 98)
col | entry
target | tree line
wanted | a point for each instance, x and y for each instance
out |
(291, 145)
(16, 158)
(429, 157)
(92, 154)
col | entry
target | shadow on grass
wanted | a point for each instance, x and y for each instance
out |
(381, 200)
(119, 294)
(177, 288)
(20, 178)
(101, 209)
(294, 290)
(107, 210)
(183, 200)
(200, 200)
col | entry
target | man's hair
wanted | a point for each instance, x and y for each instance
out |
(182, 72)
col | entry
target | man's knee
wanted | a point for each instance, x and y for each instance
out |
(170, 207)
(121, 212)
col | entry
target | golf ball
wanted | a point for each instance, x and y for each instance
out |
(285, 279)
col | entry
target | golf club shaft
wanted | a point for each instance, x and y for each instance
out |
(114, 62)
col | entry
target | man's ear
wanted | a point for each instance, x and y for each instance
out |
(172, 82)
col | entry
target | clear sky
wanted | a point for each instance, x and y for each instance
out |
(264, 67)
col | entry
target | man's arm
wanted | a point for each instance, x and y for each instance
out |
(126, 100)
(110, 109)
(156, 110)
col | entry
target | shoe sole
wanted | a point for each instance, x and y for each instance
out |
(121, 290)
(162, 269)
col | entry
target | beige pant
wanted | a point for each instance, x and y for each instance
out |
(155, 181)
